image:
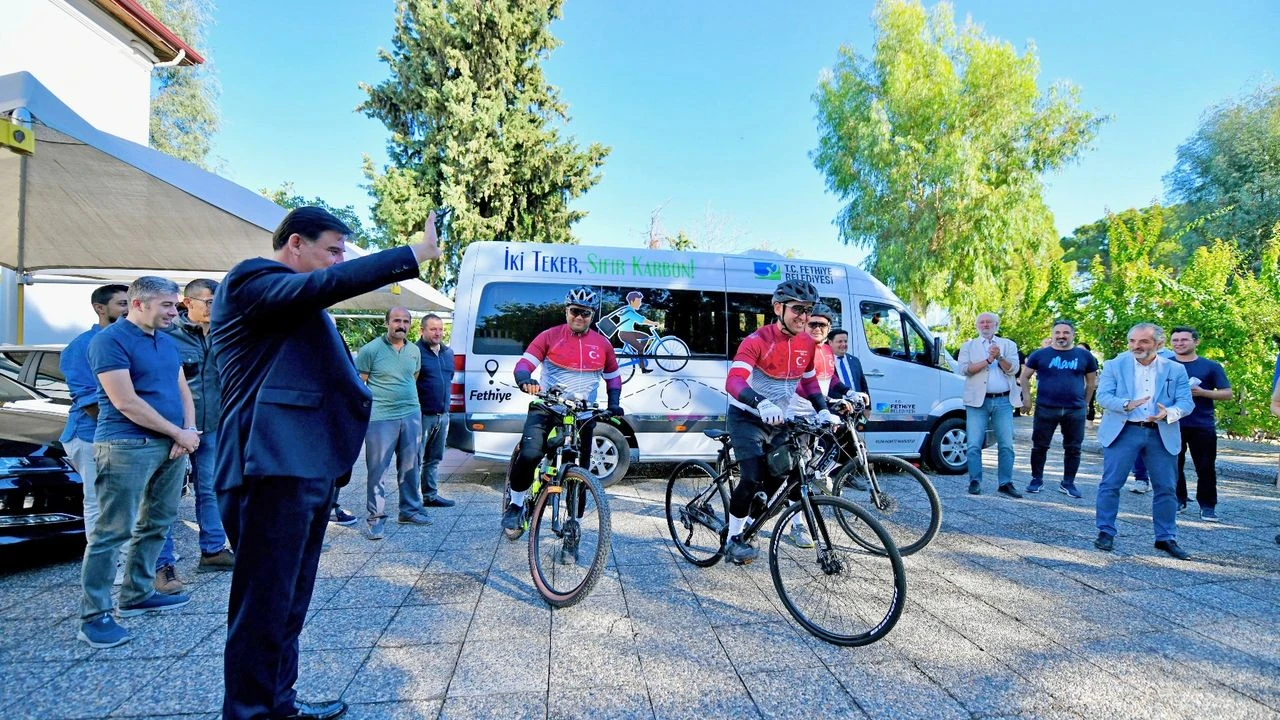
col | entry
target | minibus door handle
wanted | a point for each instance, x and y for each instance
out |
(874, 373)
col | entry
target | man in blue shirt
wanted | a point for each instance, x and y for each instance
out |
(433, 398)
(110, 303)
(1199, 429)
(1066, 378)
(146, 424)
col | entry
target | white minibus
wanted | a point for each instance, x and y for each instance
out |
(696, 308)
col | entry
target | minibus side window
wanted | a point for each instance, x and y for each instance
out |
(511, 315)
(891, 334)
(696, 317)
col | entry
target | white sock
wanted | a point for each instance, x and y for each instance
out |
(735, 524)
(517, 498)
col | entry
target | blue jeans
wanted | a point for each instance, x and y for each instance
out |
(138, 488)
(212, 537)
(1135, 442)
(999, 413)
(383, 438)
(435, 430)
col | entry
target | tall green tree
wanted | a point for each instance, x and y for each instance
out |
(475, 127)
(184, 100)
(1089, 241)
(936, 143)
(1230, 170)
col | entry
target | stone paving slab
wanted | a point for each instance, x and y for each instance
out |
(1011, 613)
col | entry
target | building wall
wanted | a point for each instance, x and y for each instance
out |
(86, 58)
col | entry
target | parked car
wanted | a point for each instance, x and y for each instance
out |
(41, 496)
(36, 366)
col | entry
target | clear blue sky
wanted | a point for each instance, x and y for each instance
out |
(707, 104)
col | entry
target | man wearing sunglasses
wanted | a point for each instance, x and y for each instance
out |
(574, 358)
(772, 364)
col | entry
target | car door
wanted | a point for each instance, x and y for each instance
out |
(904, 385)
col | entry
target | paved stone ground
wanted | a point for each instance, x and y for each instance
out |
(1011, 613)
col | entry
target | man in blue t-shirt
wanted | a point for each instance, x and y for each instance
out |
(146, 426)
(1066, 377)
(1199, 429)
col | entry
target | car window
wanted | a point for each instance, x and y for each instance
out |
(49, 379)
(11, 364)
(13, 391)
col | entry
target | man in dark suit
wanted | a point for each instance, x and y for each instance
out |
(294, 417)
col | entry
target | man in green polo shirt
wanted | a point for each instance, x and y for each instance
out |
(390, 366)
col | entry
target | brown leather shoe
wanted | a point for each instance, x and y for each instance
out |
(222, 560)
(167, 582)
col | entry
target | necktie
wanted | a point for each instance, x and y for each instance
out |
(844, 372)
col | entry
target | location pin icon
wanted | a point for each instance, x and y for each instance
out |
(491, 367)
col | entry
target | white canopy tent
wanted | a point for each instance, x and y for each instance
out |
(90, 205)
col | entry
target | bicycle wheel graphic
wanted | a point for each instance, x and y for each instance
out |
(671, 354)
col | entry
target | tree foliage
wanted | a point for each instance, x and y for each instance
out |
(1230, 170)
(1215, 293)
(184, 100)
(475, 127)
(936, 142)
(1089, 241)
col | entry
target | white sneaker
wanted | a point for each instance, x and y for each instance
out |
(799, 536)
(1140, 487)
(119, 573)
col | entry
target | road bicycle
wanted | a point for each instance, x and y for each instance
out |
(566, 512)
(668, 352)
(845, 589)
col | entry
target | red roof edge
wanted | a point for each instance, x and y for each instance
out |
(156, 33)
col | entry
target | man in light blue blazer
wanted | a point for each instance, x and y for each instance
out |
(1144, 396)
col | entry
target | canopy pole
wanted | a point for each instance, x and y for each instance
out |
(21, 271)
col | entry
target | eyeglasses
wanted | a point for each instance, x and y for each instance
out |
(819, 326)
(581, 312)
(801, 309)
(207, 302)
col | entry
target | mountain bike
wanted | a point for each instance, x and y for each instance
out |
(844, 590)
(566, 512)
(893, 490)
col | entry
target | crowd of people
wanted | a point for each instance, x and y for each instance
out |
(1159, 408)
(247, 388)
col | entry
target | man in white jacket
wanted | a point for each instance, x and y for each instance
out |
(990, 367)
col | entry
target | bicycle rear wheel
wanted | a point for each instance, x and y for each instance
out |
(907, 503)
(839, 591)
(697, 512)
(569, 538)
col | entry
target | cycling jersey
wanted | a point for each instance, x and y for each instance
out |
(574, 363)
(824, 368)
(772, 365)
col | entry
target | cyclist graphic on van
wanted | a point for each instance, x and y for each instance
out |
(641, 341)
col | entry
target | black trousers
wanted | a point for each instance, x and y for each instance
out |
(1203, 445)
(752, 440)
(276, 526)
(533, 446)
(1043, 424)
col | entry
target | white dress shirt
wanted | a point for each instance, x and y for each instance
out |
(996, 380)
(1144, 386)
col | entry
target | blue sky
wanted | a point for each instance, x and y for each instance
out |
(707, 104)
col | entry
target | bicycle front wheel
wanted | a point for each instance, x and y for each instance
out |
(671, 354)
(902, 498)
(569, 538)
(838, 590)
(697, 512)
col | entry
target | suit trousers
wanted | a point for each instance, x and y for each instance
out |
(276, 526)
(1135, 441)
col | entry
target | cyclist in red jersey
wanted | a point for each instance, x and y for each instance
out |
(573, 358)
(772, 364)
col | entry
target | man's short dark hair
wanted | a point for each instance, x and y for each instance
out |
(103, 295)
(1063, 321)
(1186, 329)
(431, 316)
(309, 222)
(201, 283)
(836, 333)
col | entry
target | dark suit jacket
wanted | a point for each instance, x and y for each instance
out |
(292, 403)
(839, 389)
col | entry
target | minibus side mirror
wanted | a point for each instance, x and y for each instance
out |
(937, 351)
